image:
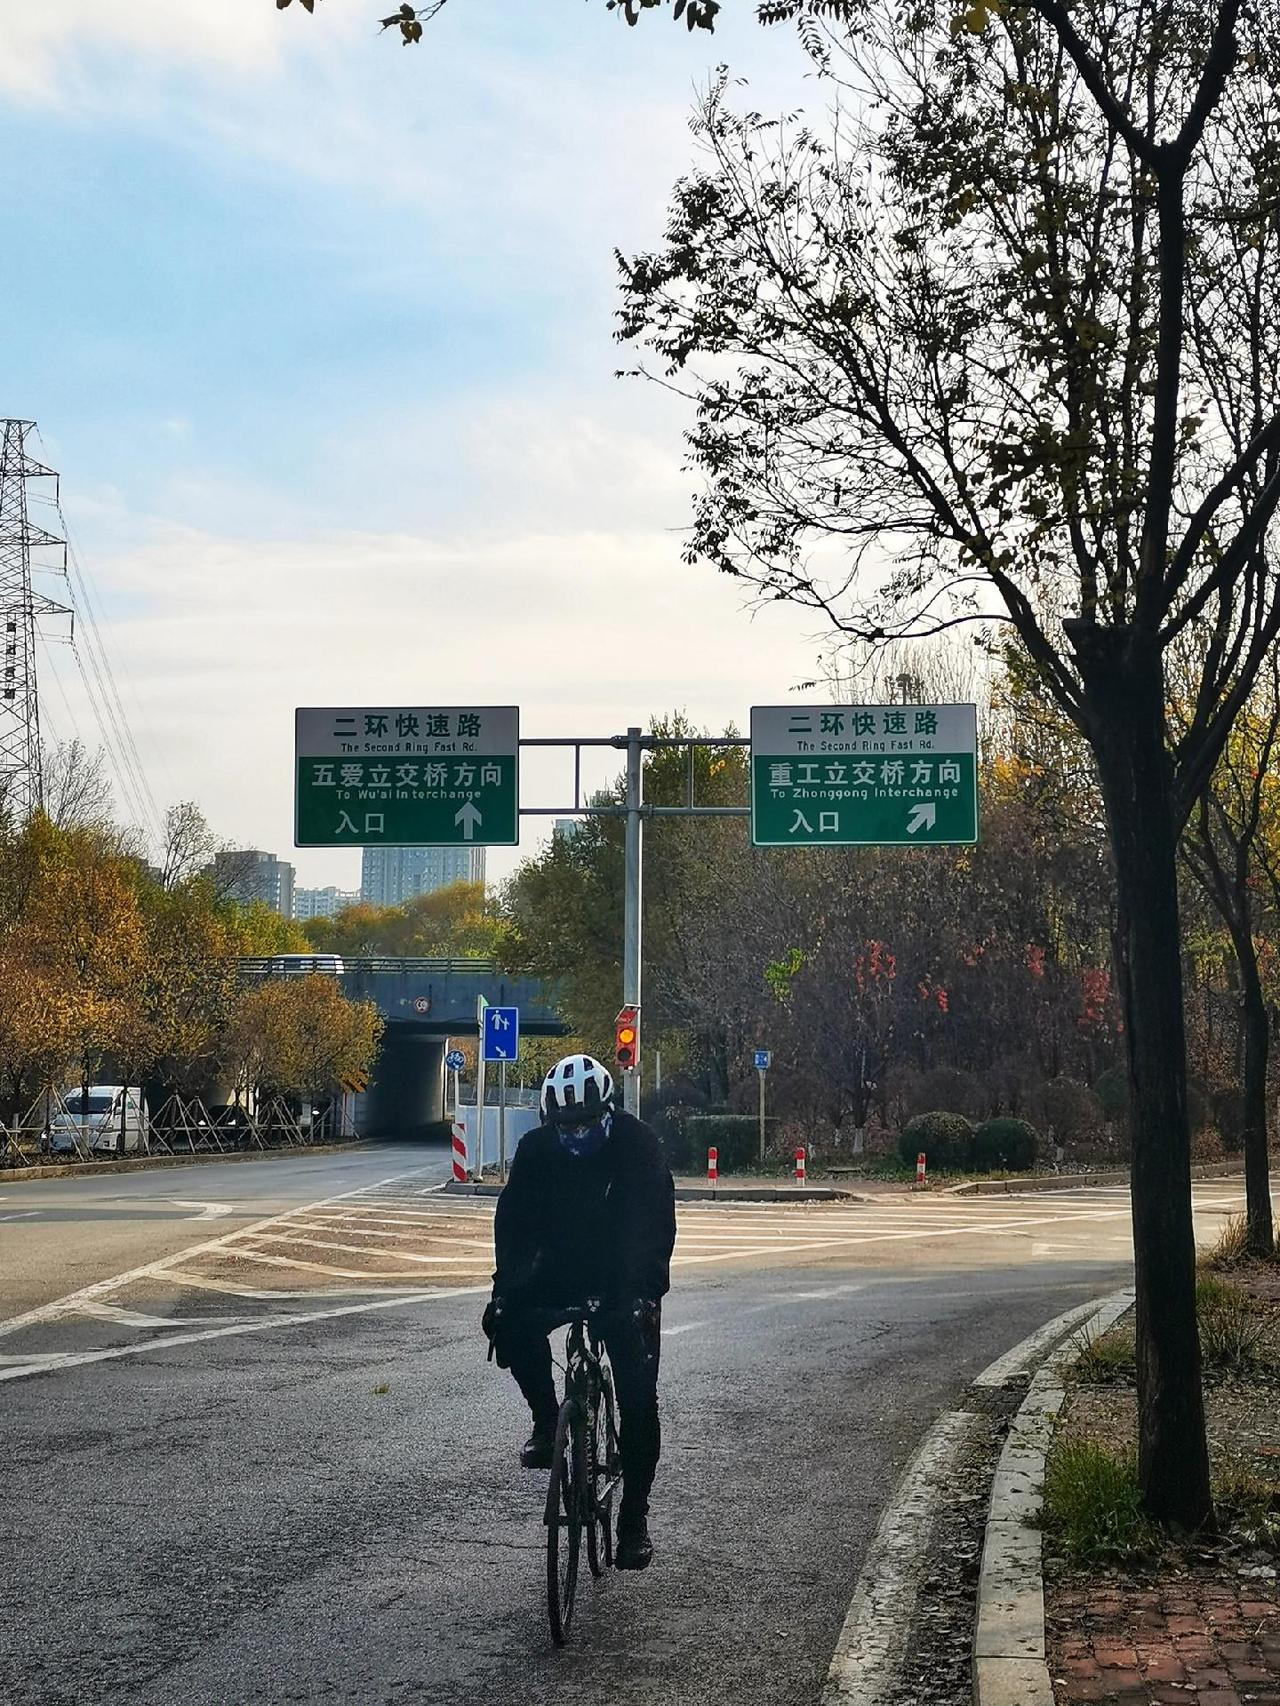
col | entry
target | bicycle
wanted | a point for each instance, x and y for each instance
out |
(586, 1469)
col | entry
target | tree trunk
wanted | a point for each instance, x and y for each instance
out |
(1257, 1047)
(1124, 706)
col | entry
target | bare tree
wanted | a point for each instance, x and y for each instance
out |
(76, 790)
(1002, 341)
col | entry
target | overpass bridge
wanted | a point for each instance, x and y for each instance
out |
(424, 1002)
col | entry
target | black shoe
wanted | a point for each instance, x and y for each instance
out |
(635, 1549)
(538, 1449)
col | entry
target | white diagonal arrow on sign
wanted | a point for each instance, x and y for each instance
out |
(924, 816)
(468, 817)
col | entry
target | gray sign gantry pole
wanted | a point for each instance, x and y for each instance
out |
(631, 913)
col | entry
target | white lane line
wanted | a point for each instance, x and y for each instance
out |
(261, 1256)
(362, 1250)
(229, 1288)
(684, 1327)
(135, 1318)
(51, 1361)
(21, 1214)
(384, 1232)
(150, 1270)
(208, 1210)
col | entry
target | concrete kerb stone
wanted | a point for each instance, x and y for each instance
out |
(700, 1193)
(1077, 1181)
(1009, 1663)
(867, 1663)
(144, 1163)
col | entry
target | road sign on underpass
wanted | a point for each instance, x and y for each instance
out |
(408, 777)
(863, 775)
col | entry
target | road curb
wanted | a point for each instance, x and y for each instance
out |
(1078, 1181)
(103, 1169)
(866, 1665)
(702, 1193)
(1010, 1666)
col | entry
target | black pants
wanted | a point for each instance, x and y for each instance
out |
(634, 1353)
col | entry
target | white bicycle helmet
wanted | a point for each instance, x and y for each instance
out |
(575, 1090)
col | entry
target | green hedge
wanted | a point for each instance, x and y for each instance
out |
(735, 1136)
(945, 1139)
(1005, 1145)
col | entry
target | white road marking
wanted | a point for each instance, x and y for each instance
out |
(48, 1362)
(135, 1318)
(208, 1210)
(21, 1214)
(151, 1270)
(684, 1327)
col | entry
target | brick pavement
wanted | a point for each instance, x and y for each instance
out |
(1185, 1639)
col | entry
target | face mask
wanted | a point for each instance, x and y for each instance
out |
(583, 1140)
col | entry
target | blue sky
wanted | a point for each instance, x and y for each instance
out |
(318, 332)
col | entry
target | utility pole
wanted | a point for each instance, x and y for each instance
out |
(21, 770)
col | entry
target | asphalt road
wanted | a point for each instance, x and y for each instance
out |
(331, 1511)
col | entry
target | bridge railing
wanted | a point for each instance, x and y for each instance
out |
(376, 965)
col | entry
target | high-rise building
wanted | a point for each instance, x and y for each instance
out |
(565, 828)
(392, 875)
(247, 874)
(322, 903)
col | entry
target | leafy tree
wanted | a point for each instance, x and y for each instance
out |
(458, 921)
(1007, 331)
(302, 1037)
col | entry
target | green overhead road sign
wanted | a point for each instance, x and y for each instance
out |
(408, 777)
(881, 775)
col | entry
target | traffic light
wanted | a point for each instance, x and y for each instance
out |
(626, 1038)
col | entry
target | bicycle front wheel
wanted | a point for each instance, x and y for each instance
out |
(602, 1475)
(566, 1500)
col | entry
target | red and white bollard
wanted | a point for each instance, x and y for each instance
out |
(799, 1166)
(713, 1166)
(459, 1153)
(920, 1168)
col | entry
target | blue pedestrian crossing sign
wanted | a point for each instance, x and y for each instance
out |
(500, 1033)
(764, 1060)
(455, 1060)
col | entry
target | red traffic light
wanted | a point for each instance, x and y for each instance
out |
(626, 1038)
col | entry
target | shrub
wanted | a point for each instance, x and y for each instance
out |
(1112, 1090)
(1005, 1144)
(670, 1124)
(1093, 1504)
(1103, 1361)
(736, 1136)
(1069, 1112)
(946, 1140)
(1231, 1324)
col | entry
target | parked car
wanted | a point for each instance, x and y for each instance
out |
(100, 1117)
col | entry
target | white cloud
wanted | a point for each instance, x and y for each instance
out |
(588, 632)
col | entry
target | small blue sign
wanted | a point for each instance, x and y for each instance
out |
(500, 1034)
(455, 1060)
(764, 1059)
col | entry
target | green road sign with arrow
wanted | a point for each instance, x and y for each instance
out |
(859, 775)
(408, 777)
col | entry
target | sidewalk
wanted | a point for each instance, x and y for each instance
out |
(1195, 1621)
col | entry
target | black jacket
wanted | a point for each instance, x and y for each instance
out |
(600, 1226)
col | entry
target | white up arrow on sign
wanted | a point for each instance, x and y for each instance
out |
(468, 817)
(924, 816)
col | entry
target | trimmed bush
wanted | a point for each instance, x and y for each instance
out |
(946, 1140)
(736, 1136)
(1005, 1145)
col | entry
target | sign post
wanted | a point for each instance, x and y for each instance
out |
(477, 1169)
(407, 777)
(500, 1041)
(864, 775)
(763, 1061)
(454, 1063)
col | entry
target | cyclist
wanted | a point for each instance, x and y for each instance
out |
(588, 1212)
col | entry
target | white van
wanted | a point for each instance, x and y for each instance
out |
(98, 1118)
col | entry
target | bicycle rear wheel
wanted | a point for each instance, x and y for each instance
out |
(566, 1502)
(602, 1468)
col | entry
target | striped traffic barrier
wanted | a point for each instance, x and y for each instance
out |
(799, 1166)
(920, 1168)
(713, 1166)
(459, 1153)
